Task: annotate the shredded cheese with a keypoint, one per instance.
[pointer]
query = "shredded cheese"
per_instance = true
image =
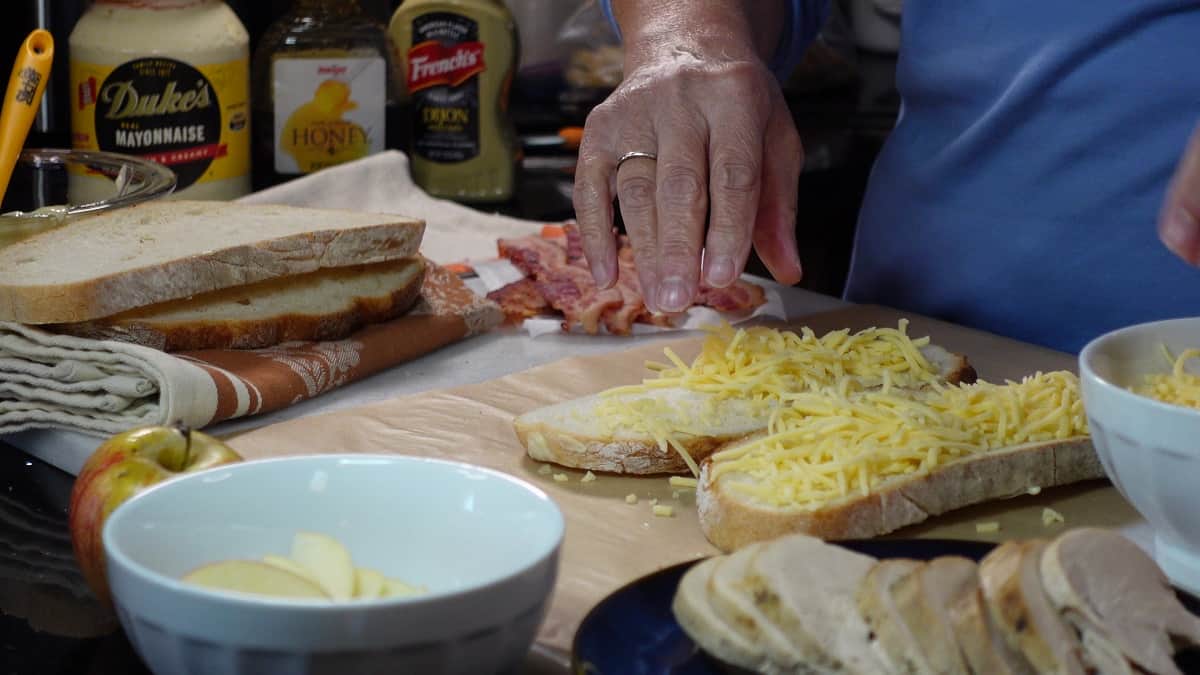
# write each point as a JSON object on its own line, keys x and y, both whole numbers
{"x": 1179, "y": 387}
{"x": 663, "y": 511}
{"x": 545, "y": 469}
{"x": 1050, "y": 517}
{"x": 682, "y": 482}
{"x": 988, "y": 527}
{"x": 560, "y": 478}
{"x": 827, "y": 444}
{"x": 751, "y": 373}
{"x": 631, "y": 498}
{"x": 588, "y": 477}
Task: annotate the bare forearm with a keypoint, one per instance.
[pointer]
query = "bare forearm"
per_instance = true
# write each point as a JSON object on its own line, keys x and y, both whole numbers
{"x": 726, "y": 26}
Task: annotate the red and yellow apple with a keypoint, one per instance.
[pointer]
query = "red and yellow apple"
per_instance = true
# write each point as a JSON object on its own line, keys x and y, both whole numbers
{"x": 123, "y": 466}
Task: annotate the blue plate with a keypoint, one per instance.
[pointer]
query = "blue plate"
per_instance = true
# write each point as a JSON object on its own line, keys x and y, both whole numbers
{"x": 633, "y": 632}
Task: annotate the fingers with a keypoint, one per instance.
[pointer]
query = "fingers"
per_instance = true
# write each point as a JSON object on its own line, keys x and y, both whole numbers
{"x": 735, "y": 172}
{"x": 593, "y": 195}
{"x": 1179, "y": 222}
{"x": 775, "y": 221}
{"x": 636, "y": 193}
{"x": 682, "y": 210}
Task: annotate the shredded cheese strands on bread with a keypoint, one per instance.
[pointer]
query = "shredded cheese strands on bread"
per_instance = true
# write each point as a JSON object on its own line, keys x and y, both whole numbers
{"x": 828, "y": 444}
{"x": 764, "y": 368}
{"x": 1178, "y": 387}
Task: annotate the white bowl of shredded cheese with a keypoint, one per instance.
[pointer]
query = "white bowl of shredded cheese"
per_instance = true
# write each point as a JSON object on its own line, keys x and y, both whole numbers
{"x": 1141, "y": 391}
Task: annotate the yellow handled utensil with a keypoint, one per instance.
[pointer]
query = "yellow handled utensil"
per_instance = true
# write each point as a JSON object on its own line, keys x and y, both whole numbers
{"x": 30, "y": 73}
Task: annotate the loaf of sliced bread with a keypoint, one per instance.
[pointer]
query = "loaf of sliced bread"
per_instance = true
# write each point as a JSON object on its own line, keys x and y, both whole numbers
{"x": 327, "y": 304}
{"x": 731, "y": 519}
{"x": 151, "y": 253}
{"x": 581, "y": 433}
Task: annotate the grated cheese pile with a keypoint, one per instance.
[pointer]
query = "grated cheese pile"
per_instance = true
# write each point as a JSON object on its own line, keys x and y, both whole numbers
{"x": 1179, "y": 387}
{"x": 749, "y": 373}
{"x": 832, "y": 443}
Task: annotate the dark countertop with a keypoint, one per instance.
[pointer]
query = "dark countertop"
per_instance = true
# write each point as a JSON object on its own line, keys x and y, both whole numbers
{"x": 49, "y": 623}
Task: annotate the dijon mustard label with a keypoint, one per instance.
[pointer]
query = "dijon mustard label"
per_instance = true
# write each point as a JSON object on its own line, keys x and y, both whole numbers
{"x": 444, "y": 64}
{"x": 327, "y": 111}
{"x": 193, "y": 119}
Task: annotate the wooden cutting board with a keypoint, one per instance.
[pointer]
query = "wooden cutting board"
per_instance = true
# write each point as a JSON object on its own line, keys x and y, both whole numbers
{"x": 610, "y": 542}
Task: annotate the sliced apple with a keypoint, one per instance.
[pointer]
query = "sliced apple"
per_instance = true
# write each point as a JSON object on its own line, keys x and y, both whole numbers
{"x": 394, "y": 588}
{"x": 249, "y": 576}
{"x": 368, "y": 583}
{"x": 288, "y": 565}
{"x": 327, "y": 560}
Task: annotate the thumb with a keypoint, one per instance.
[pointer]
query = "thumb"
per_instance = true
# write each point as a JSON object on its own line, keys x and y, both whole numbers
{"x": 1179, "y": 222}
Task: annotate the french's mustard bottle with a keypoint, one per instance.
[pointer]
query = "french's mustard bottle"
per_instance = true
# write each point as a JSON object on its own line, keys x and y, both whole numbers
{"x": 322, "y": 90}
{"x": 458, "y": 58}
{"x": 168, "y": 80}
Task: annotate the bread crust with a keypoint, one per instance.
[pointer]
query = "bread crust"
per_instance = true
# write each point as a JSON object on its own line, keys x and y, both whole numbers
{"x": 213, "y": 263}
{"x": 253, "y": 333}
{"x": 546, "y": 443}
{"x": 730, "y": 521}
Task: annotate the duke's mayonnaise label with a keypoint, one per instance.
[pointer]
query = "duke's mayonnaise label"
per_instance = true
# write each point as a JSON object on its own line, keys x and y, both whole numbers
{"x": 193, "y": 119}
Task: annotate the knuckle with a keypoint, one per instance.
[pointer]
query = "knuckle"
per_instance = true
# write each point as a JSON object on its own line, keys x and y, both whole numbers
{"x": 636, "y": 192}
{"x": 738, "y": 176}
{"x": 682, "y": 187}
{"x": 676, "y": 246}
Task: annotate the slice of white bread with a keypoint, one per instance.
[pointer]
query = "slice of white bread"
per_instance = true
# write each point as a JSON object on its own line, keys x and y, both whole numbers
{"x": 808, "y": 589}
{"x": 158, "y": 251}
{"x": 730, "y": 519}
{"x": 328, "y": 304}
{"x": 695, "y": 614}
{"x": 576, "y": 433}
{"x": 1017, "y": 600}
{"x": 1109, "y": 588}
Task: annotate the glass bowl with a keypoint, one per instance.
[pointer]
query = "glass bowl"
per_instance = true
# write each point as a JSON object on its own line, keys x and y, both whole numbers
{"x": 49, "y": 187}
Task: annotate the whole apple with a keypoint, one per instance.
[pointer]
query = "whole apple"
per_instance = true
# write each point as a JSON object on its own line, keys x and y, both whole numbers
{"x": 123, "y": 466}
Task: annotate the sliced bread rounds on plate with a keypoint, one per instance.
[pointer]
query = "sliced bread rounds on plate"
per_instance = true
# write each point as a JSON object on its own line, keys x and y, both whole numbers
{"x": 142, "y": 255}
{"x": 327, "y": 304}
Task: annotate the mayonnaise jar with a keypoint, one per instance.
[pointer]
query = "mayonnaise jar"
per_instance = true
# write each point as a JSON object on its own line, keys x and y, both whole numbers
{"x": 167, "y": 80}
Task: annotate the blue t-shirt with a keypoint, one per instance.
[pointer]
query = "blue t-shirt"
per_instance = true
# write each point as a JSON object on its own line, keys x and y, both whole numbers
{"x": 1019, "y": 190}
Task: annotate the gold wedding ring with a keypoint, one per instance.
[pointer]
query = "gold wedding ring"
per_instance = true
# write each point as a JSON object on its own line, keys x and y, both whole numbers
{"x": 634, "y": 154}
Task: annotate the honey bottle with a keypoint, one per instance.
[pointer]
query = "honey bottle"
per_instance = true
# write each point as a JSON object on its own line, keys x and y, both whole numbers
{"x": 323, "y": 90}
{"x": 457, "y": 58}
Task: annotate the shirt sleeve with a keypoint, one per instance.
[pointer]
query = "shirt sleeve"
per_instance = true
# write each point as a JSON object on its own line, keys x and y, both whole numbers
{"x": 801, "y": 25}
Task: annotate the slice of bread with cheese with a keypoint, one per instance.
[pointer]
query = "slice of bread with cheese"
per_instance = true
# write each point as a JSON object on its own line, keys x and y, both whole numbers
{"x": 837, "y": 467}
{"x": 155, "y": 252}
{"x": 327, "y": 304}
{"x": 731, "y": 519}
{"x": 671, "y": 423}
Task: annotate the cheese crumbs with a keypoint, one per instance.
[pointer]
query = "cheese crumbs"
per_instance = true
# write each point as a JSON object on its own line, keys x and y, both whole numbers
{"x": 1179, "y": 387}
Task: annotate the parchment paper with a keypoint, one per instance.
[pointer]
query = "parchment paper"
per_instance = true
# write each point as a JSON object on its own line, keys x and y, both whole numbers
{"x": 609, "y": 542}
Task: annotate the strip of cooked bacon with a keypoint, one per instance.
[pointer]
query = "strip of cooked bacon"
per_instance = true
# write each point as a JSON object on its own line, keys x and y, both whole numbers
{"x": 520, "y": 300}
{"x": 739, "y": 297}
{"x": 532, "y": 254}
{"x": 558, "y": 277}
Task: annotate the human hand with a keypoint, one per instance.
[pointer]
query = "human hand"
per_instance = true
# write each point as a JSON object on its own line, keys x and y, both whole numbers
{"x": 1179, "y": 221}
{"x": 728, "y": 157}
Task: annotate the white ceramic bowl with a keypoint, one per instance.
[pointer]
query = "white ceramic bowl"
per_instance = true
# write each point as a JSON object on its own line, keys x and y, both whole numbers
{"x": 484, "y": 543}
{"x": 1150, "y": 449}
